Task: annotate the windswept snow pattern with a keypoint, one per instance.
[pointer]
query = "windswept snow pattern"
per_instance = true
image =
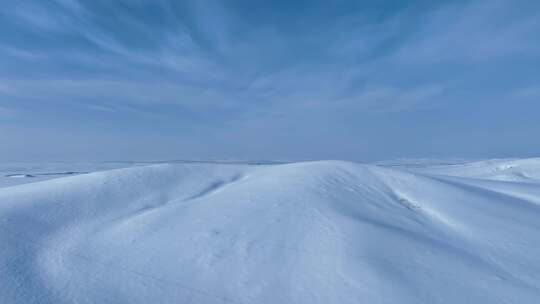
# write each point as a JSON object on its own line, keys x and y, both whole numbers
{"x": 313, "y": 232}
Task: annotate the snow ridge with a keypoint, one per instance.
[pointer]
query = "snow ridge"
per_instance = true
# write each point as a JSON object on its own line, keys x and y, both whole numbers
{"x": 313, "y": 232}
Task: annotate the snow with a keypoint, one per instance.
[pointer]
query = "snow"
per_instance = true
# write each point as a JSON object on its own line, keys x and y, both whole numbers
{"x": 12, "y": 174}
{"x": 311, "y": 232}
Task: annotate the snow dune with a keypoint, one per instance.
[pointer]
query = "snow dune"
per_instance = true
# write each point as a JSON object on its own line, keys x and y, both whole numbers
{"x": 313, "y": 232}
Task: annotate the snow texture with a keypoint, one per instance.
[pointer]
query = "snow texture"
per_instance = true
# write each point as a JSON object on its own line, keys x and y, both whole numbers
{"x": 312, "y": 232}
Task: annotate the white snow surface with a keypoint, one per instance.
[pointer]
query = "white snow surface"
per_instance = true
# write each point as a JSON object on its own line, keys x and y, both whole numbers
{"x": 16, "y": 173}
{"x": 312, "y": 232}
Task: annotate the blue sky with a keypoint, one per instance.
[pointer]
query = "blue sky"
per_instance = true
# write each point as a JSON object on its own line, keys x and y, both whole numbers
{"x": 250, "y": 79}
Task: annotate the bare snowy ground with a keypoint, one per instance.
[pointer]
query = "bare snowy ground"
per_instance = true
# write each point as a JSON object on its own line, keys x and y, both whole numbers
{"x": 12, "y": 174}
{"x": 313, "y": 232}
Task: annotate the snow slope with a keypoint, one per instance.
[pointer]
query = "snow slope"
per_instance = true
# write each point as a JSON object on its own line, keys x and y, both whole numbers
{"x": 17, "y": 173}
{"x": 523, "y": 170}
{"x": 314, "y": 232}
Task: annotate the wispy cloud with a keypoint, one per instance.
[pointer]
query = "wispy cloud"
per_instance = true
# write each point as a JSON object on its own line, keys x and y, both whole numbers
{"x": 477, "y": 31}
{"x": 7, "y": 112}
{"x": 101, "y": 108}
{"x": 242, "y": 65}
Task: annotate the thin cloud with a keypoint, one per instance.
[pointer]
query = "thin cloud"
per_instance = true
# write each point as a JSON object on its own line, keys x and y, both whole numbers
{"x": 7, "y": 112}
{"x": 229, "y": 68}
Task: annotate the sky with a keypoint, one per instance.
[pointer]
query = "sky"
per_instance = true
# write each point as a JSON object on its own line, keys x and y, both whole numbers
{"x": 268, "y": 80}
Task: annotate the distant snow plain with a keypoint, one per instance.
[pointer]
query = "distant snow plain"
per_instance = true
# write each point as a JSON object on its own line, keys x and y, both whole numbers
{"x": 308, "y": 232}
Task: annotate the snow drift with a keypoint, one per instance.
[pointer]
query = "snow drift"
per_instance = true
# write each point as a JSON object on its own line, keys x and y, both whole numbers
{"x": 314, "y": 232}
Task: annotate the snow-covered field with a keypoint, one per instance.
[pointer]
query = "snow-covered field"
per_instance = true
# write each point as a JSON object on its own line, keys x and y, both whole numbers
{"x": 312, "y": 232}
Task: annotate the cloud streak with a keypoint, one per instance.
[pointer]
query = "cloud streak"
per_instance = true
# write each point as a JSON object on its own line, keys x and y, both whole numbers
{"x": 223, "y": 68}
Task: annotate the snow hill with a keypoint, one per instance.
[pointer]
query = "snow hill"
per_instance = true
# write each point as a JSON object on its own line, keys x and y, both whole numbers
{"x": 313, "y": 232}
